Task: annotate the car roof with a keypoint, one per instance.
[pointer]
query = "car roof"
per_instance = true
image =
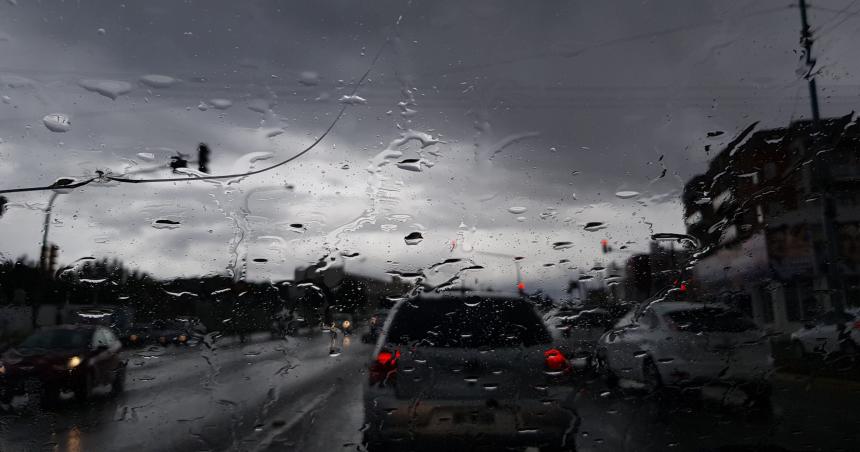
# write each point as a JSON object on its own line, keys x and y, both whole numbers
{"x": 75, "y": 327}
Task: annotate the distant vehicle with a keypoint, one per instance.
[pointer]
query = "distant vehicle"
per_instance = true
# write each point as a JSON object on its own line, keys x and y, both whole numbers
{"x": 162, "y": 332}
{"x": 582, "y": 331}
{"x": 682, "y": 343}
{"x": 482, "y": 365}
{"x": 375, "y": 323}
{"x": 831, "y": 332}
{"x": 78, "y": 358}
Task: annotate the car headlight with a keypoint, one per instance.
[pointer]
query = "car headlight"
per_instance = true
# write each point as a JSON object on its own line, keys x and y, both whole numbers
{"x": 2, "y": 368}
{"x": 183, "y": 338}
{"x": 133, "y": 338}
{"x": 346, "y": 324}
{"x": 74, "y": 361}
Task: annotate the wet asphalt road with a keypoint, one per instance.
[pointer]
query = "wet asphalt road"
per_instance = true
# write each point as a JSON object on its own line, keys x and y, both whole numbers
{"x": 272, "y": 395}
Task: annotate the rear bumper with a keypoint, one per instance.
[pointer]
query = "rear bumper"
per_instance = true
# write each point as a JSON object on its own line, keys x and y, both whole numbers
{"x": 506, "y": 423}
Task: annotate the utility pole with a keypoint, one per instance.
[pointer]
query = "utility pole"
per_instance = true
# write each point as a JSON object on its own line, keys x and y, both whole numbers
{"x": 822, "y": 178}
{"x": 806, "y": 41}
{"x": 45, "y": 251}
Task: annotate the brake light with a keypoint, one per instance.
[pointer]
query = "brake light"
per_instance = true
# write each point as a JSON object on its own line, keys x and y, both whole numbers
{"x": 555, "y": 361}
{"x": 384, "y": 369}
{"x": 857, "y": 325}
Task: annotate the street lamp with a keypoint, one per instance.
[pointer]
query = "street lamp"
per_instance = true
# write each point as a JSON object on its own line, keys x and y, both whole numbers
{"x": 45, "y": 252}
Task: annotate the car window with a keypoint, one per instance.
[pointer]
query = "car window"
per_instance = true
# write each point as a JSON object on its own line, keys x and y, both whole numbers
{"x": 706, "y": 319}
{"x": 477, "y": 322}
{"x": 56, "y": 339}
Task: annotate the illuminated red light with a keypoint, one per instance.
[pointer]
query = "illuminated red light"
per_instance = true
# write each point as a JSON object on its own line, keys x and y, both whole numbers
{"x": 521, "y": 286}
{"x": 555, "y": 360}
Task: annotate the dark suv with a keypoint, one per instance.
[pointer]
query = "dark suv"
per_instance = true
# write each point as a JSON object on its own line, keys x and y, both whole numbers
{"x": 454, "y": 369}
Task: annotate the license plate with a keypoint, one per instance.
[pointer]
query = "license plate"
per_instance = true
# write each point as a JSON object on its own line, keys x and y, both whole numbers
{"x": 456, "y": 421}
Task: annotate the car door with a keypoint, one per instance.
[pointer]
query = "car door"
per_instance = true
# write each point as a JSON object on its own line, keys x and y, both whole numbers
{"x": 628, "y": 343}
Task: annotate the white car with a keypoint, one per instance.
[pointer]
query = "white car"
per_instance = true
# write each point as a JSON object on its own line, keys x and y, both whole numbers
{"x": 831, "y": 332}
{"x": 687, "y": 344}
{"x": 450, "y": 369}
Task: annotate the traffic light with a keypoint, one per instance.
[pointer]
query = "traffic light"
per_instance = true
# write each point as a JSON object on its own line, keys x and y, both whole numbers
{"x": 203, "y": 158}
{"x": 604, "y": 245}
{"x": 2, "y": 205}
{"x": 178, "y": 161}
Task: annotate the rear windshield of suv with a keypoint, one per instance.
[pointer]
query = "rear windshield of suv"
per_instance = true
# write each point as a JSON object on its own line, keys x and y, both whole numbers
{"x": 468, "y": 322}
{"x": 711, "y": 320}
{"x": 57, "y": 339}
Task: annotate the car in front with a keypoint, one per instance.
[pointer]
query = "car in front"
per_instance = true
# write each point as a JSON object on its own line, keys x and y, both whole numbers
{"x": 74, "y": 358}
{"x": 687, "y": 344}
{"x": 470, "y": 368}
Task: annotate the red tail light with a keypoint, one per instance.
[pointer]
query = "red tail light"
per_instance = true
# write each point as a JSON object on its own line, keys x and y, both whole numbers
{"x": 857, "y": 325}
{"x": 384, "y": 369}
{"x": 555, "y": 361}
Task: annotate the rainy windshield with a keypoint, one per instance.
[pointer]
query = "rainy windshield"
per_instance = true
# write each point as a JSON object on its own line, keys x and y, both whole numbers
{"x": 407, "y": 225}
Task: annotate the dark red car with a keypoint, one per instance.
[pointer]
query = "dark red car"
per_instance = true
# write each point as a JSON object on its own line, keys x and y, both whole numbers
{"x": 74, "y": 358}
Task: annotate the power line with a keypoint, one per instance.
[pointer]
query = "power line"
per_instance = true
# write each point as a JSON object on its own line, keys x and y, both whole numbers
{"x": 102, "y": 176}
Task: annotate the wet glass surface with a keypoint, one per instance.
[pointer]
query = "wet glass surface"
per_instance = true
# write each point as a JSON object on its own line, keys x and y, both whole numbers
{"x": 407, "y": 225}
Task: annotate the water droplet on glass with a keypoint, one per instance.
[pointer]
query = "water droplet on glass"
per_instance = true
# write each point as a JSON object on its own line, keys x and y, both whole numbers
{"x": 261, "y": 260}
{"x": 413, "y": 238}
{"x": 627, "y": 194}
{"x": 221, "y": 104}
{"x": 101, "y": 31}
{"x": 157, "y": 80}
{"x": 148, "y": 156}
{"x": 562, "y": 245}
{"x": 388, "y": 227}
{"x": 56, "y": 122}
{"x": 522, "y": 219}
{"x": 592, "y": 226}
{"x": 309, "y": 78}
{"x": 164, "y": 223}
{"x": 353, "y": 99}
{"x": 108, "y": 88}
{"x": 410, "y": 164}
{"x": 516, "y": 210}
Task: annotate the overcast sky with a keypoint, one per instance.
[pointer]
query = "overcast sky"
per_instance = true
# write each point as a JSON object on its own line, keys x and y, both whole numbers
{"x": 549, "y": 106}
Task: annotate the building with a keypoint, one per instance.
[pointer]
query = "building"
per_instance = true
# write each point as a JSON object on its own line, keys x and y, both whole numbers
{"x": 778, "y": 219}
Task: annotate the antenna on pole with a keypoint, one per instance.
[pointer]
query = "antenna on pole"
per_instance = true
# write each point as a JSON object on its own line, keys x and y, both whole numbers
{"x": 806, "y": 41}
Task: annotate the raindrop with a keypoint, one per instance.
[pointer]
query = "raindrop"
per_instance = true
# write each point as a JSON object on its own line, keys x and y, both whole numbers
{"x": 157, "y": 80}
{"x": 148, "y": 156}
{"x": 261, "y": 260}
{"x": 56, "y": 122}
{"x": 259, "y": 105}
{"x": 413, "y": 238}
{"x": 627, "y": 194}
{"x": 598, "y": 268}
{"x": 592, "y": 226}
{"x": 221, "y": 104}
{"x": 309, "y": 78}
{"x": 490, "y": 386}
{"x": 585, "y": 277}
{"x": 562, "y": 245}
{"x": 297, "y": 226}
{"x": 522, "y": 219}
{"x": 639, "y": 354}
{"x": 388, "y": 227}
{"x": 108, "y": 88}
{"x": 353, "y": 99}
{"x": 101, "y": 31}
{"x": 349, "y": 255}
{"x": 470, "y": 380}
{"x": 517, "y": 210}
{"x": 410, "y": 165}
{"x": 164, "y": 223}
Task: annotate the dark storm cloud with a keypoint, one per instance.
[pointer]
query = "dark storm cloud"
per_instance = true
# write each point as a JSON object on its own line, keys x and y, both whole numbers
{"x": 551, "y": 106}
